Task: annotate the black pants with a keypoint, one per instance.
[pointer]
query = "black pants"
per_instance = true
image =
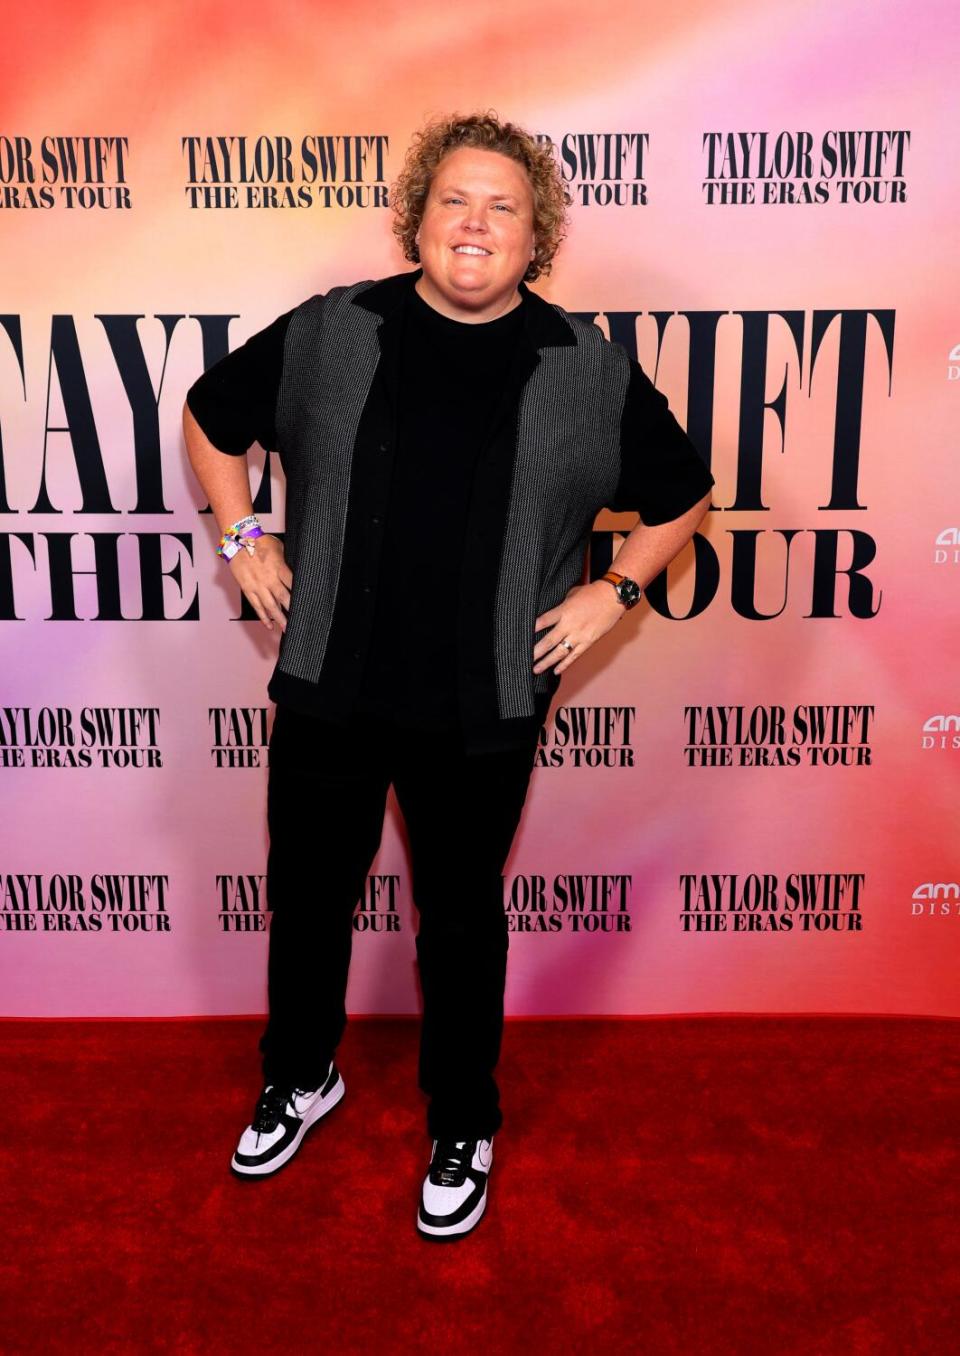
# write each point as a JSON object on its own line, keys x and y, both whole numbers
{"x": 326, "y": 798}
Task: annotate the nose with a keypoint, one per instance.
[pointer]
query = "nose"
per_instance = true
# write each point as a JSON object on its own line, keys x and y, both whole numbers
{"x": 473, "y": 221}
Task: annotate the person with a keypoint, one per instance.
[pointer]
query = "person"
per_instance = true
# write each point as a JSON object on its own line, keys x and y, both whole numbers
{"x": 447, "y": 438}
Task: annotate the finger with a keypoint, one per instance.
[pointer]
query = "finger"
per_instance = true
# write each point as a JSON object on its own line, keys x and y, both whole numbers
{"x": 254, "y": 601}
{"x": 266, "y": 607}
{"x": 547, "y": 618}
{"x": 546, "y": 643}
{"x": 556, "y": 651}
{"x": 274, "y": 610}
{"x": 546, "y": 647}
{"x": 569, "y": 657}
{"x": 282, "y": 595}
{"x": 543, "y": 649}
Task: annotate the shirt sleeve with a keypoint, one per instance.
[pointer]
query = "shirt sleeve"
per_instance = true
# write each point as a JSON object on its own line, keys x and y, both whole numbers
{"x": 235, "y": 400}
{"x": 662, "y": 474}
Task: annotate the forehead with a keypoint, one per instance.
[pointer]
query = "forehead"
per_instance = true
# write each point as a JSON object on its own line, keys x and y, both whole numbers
{"x": 482, "y": 171}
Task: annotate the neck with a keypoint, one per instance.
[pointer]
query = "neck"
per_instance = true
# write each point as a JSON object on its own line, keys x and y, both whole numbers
{"x": 475, "y": 315}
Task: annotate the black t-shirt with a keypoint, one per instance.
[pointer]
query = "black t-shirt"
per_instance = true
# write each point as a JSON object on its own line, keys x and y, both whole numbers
{"x": 661, "y": 475}
{"x": 450, "y": 374}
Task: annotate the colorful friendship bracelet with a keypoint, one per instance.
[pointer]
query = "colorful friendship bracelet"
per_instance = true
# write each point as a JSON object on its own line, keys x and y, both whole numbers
{"x": 237, "y": 535}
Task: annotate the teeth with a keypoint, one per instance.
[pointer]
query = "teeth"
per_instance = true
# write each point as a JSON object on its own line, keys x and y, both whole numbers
{"x": 469, "y": 249}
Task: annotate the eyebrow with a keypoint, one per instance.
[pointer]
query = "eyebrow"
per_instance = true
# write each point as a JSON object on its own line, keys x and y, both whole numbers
{"x": 498, "y": 197}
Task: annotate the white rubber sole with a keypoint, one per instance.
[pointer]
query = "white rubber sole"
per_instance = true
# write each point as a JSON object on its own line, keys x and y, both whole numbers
{"x": 316, "y": 1113}
{"x": 458, "y": 1230}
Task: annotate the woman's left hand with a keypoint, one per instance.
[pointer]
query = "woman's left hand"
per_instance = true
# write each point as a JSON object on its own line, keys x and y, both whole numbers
{"x": 588, "y": 612}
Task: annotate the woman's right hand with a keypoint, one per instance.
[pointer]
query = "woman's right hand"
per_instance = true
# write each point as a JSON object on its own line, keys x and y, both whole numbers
{"x": 265, "y": 579}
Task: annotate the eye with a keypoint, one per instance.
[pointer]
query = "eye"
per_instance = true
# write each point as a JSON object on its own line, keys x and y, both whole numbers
{"x": 505, "y": 206}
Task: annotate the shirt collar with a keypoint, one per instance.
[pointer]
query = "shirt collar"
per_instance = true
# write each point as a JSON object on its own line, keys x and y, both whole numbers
{"x": 543, "y": 324}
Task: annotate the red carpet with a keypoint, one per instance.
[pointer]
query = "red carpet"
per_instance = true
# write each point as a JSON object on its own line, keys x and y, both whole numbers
{"x": 778, "y": 1185}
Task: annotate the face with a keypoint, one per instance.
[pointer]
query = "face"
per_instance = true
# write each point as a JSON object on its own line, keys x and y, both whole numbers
{"x": 483, "y": 200}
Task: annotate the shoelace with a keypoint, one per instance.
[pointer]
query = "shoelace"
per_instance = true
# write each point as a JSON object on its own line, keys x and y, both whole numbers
{"x": 449, "y": 1165}
{"x": 270, "y": 1107}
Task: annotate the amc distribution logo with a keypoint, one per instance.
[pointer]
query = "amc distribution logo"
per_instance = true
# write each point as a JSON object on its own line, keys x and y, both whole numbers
{"x": 936, "y": 899}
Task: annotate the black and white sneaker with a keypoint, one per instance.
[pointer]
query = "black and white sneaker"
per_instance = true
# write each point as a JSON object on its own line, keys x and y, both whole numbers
{"x": 282, "y": 1117}
{"x": 454, "y": 1193}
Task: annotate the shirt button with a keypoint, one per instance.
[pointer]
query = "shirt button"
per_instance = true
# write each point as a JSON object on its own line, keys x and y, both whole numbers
{"x": 366, "y": 588}
{"x": 356, "y": 654}
{"x": 384, "y": 447}
{"x": 374, "y": 517}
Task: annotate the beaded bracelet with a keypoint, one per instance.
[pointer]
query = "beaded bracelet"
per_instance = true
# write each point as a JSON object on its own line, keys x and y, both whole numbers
{"x": 237, "y": 536}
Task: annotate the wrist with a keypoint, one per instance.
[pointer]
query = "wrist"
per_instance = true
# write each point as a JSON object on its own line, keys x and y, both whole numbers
{"x": 239, "y": 536}
{"x": 626, "y": 590}
{"x": 607, "y": 597}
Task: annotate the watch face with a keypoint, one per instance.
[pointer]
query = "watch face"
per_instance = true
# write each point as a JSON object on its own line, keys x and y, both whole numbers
{"x": 629, "y": 591}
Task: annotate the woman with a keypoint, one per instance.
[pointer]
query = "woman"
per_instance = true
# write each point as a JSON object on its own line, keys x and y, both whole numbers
{"x": 447, "y": 438}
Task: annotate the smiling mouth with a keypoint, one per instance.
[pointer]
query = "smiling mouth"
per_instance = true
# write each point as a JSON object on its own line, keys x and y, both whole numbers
{"x": 472, "y": 251}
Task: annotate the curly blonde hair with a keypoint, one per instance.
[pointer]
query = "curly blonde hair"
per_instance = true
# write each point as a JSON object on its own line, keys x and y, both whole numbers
{"x": 485, "y": 132}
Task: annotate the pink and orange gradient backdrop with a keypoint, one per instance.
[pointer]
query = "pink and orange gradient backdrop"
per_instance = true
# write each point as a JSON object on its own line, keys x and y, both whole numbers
{"x": 157, "y": 73}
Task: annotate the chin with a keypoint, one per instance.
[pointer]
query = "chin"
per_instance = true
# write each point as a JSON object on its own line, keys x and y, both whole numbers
{"x": 469, "y": 284}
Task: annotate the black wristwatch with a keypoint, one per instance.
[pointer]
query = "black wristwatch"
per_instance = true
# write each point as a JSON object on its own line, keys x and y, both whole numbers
{"x": 627, "y": 590}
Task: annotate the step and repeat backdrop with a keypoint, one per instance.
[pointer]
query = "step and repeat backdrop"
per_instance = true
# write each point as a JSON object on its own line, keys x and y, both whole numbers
{"x": 745, "y": 796}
